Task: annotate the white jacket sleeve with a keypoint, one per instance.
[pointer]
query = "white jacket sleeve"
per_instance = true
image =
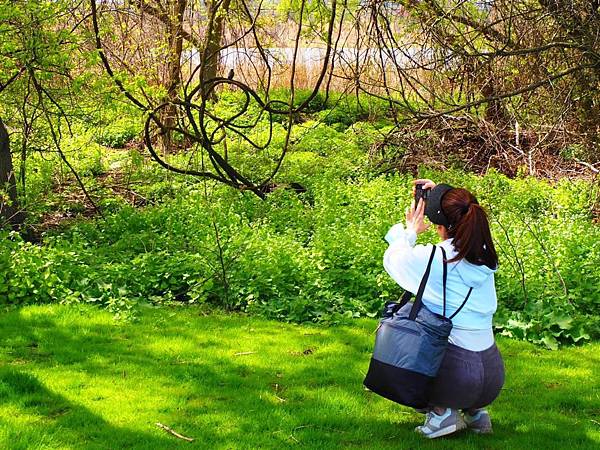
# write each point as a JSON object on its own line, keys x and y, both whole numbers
{"x": 403, "y": 261}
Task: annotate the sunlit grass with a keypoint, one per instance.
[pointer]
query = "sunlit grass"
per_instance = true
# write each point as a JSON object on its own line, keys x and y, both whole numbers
{"x": 71, "y": 377}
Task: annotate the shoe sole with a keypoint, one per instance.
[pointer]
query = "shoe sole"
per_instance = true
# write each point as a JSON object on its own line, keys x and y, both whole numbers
{"x": 480, "y": 431}
{"x": 445, "y": 431}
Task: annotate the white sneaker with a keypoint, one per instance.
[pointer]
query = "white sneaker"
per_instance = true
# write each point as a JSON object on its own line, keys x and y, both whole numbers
{"x": 441, "y": 425}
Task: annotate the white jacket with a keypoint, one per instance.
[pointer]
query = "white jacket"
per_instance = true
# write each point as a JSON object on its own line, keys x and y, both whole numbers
{"x": 406, "y": 264}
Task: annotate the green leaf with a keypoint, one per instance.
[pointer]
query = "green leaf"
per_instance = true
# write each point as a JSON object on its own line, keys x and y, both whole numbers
{"x": 549, "y": 341}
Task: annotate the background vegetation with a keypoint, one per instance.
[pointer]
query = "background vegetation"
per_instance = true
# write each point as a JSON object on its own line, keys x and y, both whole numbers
{"x": 177, "y": 151}
{"x": 313, "y": 255}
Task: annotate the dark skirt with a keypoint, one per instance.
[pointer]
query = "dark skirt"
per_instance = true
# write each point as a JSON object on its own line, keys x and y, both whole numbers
{"x": 467, "y": 379}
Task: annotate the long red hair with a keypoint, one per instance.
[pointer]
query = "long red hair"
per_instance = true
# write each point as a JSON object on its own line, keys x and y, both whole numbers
{"x": 470, "y": 229}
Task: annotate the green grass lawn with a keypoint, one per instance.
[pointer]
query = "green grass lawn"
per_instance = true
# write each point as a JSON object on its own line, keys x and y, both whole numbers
{"x": 71, "y": 377}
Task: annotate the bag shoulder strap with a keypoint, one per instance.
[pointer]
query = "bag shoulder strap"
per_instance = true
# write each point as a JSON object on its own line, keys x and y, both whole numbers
{"x": 444, "y": 279}
{"x": 444, "y": 282}
{"x": 419, "y": 297}
{"x": 463, "y": 304}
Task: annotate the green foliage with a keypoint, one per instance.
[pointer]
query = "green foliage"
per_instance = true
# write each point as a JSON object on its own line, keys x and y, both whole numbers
{"x": 118, "y": 133}
{"x": 574, "y": 152}
{"x": 336, "y": 109}
{"x": 348, "y": 109}
{"x": 289, "y": 259}
{"x": 297, "y": 256}
{"x": 319, "y": 138}
{"x": 300, "y": 96}
{"x": 549, "y": 253}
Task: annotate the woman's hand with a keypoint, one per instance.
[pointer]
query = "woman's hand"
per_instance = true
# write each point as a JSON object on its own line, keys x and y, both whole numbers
{"x": 427, "y": 184}
{"x": 415, "y": 217}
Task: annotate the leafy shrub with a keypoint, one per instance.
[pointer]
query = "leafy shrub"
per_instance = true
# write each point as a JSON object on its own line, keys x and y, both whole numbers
{"x": 292, "y": 260}
{"x": 312, "y": 256}
{"x": 549, "y": 256}
{"x": 300, "y": 96}
{"x": 118, "y": 133}
{"x": 318, "y": 138}
{"x": 349, "y": 109}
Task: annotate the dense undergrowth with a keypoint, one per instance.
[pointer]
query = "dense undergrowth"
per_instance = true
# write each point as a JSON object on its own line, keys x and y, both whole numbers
{"x": 311, "y": 256}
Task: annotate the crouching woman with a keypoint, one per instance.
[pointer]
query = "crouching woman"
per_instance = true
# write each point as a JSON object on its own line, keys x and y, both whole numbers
{"x": 472, "y": 371}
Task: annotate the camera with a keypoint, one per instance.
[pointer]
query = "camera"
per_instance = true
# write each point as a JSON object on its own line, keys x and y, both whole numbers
{"x": 421, "y": 193}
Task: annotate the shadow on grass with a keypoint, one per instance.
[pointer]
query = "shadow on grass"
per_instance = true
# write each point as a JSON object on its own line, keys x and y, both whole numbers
{"x": 298, "y": 386}
{"x": 59, "y": 422}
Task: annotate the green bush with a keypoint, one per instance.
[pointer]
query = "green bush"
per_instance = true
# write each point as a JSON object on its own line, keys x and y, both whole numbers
{"x": 118, "y": 133}
{"x": 349, "y": 109}
{"x": 293, "y": 260}
{"x": 317, "y": 103}
{"x": 318, "y": 138}
{"x": 314, "y": 255}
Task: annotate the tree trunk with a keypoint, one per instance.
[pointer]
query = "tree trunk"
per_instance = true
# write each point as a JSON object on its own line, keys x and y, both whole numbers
{"x": 9, "y": 207}
{"x": 213, "y": 41}
{"x": 173, "y": 21}
{"x": 173, "y": 79}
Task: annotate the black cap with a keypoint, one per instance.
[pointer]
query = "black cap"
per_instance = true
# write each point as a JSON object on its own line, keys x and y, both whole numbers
{"x": 433, "y": 207}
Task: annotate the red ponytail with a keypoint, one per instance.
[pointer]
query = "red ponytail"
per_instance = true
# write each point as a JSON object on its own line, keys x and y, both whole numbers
{"x": 470, "y": 229}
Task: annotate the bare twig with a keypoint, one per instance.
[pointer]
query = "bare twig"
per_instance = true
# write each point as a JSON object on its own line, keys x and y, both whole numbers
{"x": 56, "y": 138}
{"x": 588, "y": 165}
{"x": 174, "y": 433}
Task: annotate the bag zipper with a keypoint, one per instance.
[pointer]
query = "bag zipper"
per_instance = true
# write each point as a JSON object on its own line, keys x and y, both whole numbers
{"x": 400, "y": 327}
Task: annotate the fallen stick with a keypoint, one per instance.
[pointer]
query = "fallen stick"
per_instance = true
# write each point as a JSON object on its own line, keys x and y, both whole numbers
{"x": 244, "y": 353}
{"x": 173, "y": 432}
{"x": 588, "y": 165}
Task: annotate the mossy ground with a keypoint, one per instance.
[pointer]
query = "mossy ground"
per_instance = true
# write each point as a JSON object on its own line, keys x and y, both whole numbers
{"x": 72, "y": 377}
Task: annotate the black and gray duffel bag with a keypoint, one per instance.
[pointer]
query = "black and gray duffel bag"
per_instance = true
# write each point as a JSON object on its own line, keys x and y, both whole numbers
{"x": 410, "y": 345}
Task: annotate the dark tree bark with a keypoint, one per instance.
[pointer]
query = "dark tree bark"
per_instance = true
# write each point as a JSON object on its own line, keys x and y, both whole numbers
{"x": 213, "y": 40}
{"x": 173, "y": 81}
{"x": 173, "y": 21}
{"x": 9, "y": 207}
